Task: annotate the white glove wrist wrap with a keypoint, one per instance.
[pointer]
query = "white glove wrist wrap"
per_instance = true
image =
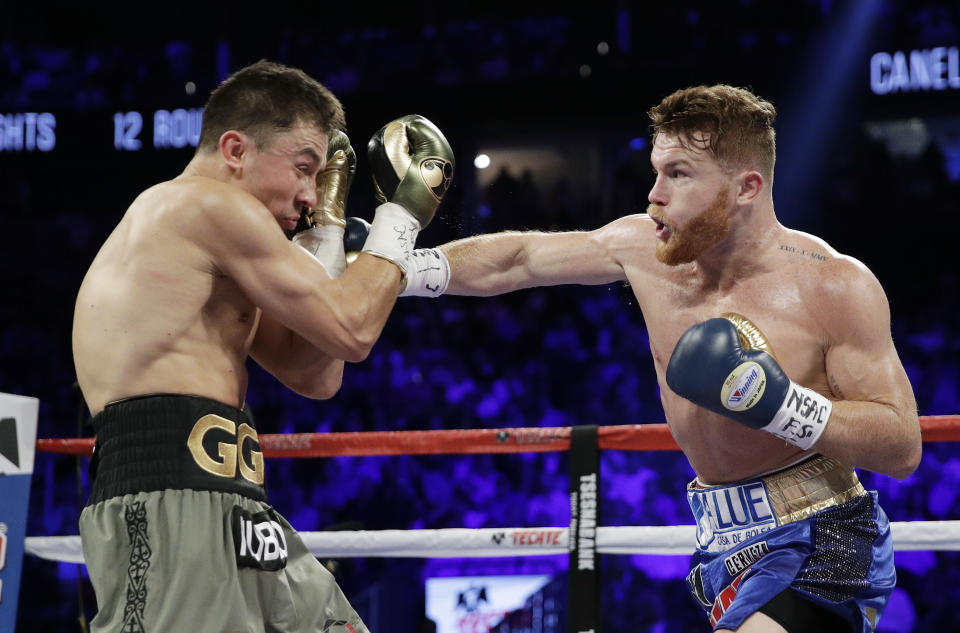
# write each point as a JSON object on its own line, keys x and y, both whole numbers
{"x": 428, "y": 273}
{"x": 326, "y": 244}
{"x": 393, "y": 233}
{"x": 802, "y": 417}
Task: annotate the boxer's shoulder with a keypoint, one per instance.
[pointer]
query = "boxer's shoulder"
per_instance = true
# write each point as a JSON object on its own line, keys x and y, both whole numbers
{"x": 635, "y": 222}
{"x": 798, "y": 247}
{"x": 633, "y": 234}
{"x": 206, "y": 195}
{"x": 839, "y": 290}
{"x": 817, "y": 266}
{"x": 200, "y": 209}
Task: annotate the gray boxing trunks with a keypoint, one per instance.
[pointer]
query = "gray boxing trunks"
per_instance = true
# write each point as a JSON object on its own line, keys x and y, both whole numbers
{"x": 177, "y": 535}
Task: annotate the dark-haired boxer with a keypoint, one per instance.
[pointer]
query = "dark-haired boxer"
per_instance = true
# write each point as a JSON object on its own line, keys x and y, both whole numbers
{"x": 197, "y": 276}
{"x": 788, "y": 539}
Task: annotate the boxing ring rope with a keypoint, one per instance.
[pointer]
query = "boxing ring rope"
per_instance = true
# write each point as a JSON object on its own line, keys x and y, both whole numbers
{"x": 625, "y": 437}
{"x": 493, "y": 542}
{"x": 499, "y": 542}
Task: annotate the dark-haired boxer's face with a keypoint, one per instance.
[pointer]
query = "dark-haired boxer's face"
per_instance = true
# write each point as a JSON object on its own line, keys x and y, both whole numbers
{"x": 690, "y": 200}
{"x": 283, "y": 174}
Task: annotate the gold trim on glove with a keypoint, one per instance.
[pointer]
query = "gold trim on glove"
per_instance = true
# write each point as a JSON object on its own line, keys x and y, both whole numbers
{"x": 750, "y": 335}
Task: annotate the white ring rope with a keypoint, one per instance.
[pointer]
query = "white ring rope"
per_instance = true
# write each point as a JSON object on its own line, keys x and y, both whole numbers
{"x": 493, "y": 542}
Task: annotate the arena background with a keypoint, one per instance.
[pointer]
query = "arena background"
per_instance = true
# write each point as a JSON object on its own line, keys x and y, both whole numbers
{"x": 556, "y": 97}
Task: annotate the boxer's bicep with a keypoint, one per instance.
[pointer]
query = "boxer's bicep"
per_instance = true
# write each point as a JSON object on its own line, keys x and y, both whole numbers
{"x": 501, "y": 262}
{"x": 874, "y": 423}
{"x": 861, "y": 360}
{"x": 573, "y": 258}
{"x": 588, "y": 257}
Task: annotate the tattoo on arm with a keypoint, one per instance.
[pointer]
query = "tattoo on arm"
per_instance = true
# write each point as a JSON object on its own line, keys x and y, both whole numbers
{"x": 820, "y": 257}
{"x": 835, "y": 387}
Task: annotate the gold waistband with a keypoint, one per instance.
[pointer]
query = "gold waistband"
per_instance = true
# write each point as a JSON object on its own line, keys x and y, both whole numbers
{"x": 818, "y": 483}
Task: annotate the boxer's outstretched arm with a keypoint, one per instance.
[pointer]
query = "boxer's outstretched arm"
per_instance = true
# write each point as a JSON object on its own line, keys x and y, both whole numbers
{"x": 496, "y": 263}
{"x": 874, "y": 424}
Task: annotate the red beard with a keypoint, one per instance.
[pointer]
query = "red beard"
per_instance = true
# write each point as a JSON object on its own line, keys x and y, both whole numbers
{"x": 710, "y": 227}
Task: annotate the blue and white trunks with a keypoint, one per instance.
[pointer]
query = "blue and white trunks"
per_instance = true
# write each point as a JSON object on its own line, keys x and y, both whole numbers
{"x": 810, "y": 527}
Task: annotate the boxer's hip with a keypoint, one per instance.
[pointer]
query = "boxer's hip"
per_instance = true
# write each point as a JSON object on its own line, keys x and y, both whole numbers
{"x": 729, "y": 514}
{"x": 174, "y": 441}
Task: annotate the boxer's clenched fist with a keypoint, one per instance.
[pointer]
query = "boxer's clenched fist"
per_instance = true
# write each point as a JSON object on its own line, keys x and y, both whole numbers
{"x": 721, "y": 364}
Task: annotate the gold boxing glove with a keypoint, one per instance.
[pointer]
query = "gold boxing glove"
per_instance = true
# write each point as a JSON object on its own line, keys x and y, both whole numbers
{"x": 333, "y": 183}
{"x": 412, "y": 165}
{"x": 325, "y": 223}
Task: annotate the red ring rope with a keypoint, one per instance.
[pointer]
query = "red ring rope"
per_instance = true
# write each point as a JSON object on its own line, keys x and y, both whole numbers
{"x": 625, "y": 437}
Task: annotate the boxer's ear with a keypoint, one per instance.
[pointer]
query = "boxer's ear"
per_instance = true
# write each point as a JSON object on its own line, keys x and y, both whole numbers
{"x": 750, "y": 184}
{"x": 233, "y": 147}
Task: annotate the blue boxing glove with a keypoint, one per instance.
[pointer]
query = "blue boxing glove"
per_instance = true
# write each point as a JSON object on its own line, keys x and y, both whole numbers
{"x": 726, "y": 365}
{"x": 354, "y": 235}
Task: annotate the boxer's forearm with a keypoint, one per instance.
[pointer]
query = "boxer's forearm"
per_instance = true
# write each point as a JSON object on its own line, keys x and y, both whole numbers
{"x": 320, "y": 378}
{"x": 878, "y": 437}
{"x": 487, "y": 265}
{"x": 296, "y": 363}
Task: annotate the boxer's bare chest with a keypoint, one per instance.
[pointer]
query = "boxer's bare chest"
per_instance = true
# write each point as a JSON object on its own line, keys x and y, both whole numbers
{"x": 718, "y": 448}
{"x": 776, "y": 301}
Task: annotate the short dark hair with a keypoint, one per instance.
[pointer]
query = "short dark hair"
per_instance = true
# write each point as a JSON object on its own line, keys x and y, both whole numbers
{"x": 738, "y": 122}
{"x": 265, "y": 98}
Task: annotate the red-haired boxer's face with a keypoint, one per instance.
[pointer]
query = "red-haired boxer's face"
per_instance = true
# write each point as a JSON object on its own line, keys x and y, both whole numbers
{"x": 690, "y": 200}
{"x": 283, "y": 174}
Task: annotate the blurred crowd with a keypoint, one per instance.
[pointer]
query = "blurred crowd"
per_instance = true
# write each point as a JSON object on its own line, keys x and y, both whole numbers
{"x": 91, "y": 57}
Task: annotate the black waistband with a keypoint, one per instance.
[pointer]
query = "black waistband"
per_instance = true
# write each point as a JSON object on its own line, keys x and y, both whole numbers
{"x": 160, "y": 441}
